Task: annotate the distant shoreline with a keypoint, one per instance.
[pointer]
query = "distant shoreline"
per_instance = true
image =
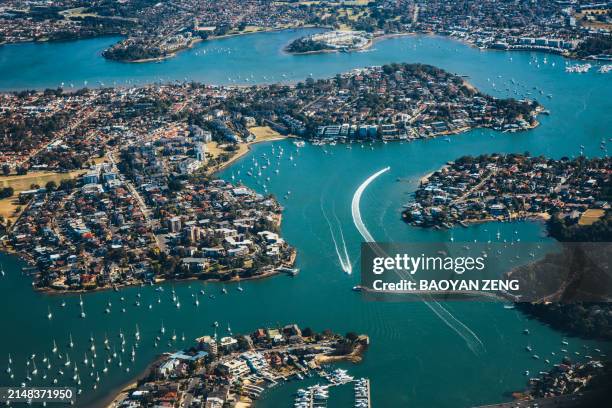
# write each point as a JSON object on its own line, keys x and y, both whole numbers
{"x": 213, "y": 37}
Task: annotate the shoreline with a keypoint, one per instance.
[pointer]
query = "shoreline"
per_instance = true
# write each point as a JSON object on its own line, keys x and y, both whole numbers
{"x": 116, "y": 395}
{"x": 242, "y": 152}
{"x": 61, "y": 292}
{"x": 160, "y": 58}
{"x": 376, "y": 39}
{"x": 371, "y": 42}
{"x": 211, "y": 38}
{"x": 25, "y": 257}
{"x": 355, "y": 356}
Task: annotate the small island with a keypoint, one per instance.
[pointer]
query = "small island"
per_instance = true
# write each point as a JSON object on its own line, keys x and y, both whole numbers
{"x": 237, "y": 369}
{"x": 509, "y": 187}
{"x": 331, "y": 41}
{"x": 140, "y": 49}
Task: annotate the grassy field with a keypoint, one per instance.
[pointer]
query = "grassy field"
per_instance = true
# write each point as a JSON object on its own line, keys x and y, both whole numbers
{"x": 25, "y": 182}
{"x": 591, "y": 216}
{"x": 264, "y": 133}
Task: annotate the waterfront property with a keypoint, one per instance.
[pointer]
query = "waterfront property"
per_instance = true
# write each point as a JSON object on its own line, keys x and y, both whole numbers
{"x": 101, "y": 230}
{"x": 508, "y": 187}
{"x": 67, "y": 131}
{"x": 235, "y": 370}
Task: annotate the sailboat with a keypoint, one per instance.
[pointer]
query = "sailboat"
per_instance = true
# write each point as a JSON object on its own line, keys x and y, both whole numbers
{"x": 2, "y": 270}
{"x": 54, "y": 349}
{"x": 49, "y": 314}
{"x": 70, "y": 342}
{"x": 83, "y": 315}
{"x": 8, "y": 368}
{"x": 163, "y": 329}
{"x": 239, "y": 288}
{"x": 196, "y": 302}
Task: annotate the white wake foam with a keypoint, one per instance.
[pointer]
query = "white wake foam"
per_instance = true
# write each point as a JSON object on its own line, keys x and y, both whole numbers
{"x": 473, "y": 342}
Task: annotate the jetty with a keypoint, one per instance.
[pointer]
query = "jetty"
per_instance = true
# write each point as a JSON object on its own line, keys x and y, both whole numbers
{"x": 362, "y": 393}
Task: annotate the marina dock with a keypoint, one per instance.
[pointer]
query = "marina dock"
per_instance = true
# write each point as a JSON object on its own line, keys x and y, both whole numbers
{"x": 363, "y": 397}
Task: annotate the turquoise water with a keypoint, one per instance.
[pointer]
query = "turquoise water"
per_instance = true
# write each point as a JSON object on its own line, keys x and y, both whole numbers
{"x": 415, "y": 358}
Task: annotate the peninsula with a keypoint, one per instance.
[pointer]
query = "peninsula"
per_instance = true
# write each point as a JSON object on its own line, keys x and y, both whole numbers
{"x": 331, "y": 41}
{"x": 237, "y": 369}
{"x": 125, "y": 193}
{"x": 510, "y": 187}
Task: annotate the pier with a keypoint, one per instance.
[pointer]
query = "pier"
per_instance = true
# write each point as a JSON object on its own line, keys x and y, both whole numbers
{"x": 362, "y": 393}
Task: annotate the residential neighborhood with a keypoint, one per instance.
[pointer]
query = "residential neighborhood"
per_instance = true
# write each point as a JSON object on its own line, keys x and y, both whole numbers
{"x": 235, "y": 370}
{"x": 511, "y": 187}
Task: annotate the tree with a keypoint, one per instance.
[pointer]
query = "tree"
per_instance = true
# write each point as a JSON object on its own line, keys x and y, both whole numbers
{"x": 175, "y": 185}
{"x": 307, "y": 332}
{"x": 352, "y": 336}
{"x": 7, "y": 192}
{"x": 51, "y": 186}
{"x": 67, "y": 184}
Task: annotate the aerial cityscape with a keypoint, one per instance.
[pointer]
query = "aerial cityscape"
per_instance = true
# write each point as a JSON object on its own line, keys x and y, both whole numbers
{"x": 186, "y": 188}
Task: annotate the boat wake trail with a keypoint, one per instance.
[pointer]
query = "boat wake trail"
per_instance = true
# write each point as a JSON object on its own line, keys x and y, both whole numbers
{"x": 472, "y": 340}
{"x": 346, "y": 255}
{"x": 343, "y": 258}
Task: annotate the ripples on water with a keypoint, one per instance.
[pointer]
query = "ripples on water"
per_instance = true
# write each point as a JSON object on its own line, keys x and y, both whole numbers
{"x": 411, "y": 349}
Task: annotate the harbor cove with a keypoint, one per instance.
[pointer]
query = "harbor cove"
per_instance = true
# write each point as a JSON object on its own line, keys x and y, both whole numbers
{"x": 414, "y": 357}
